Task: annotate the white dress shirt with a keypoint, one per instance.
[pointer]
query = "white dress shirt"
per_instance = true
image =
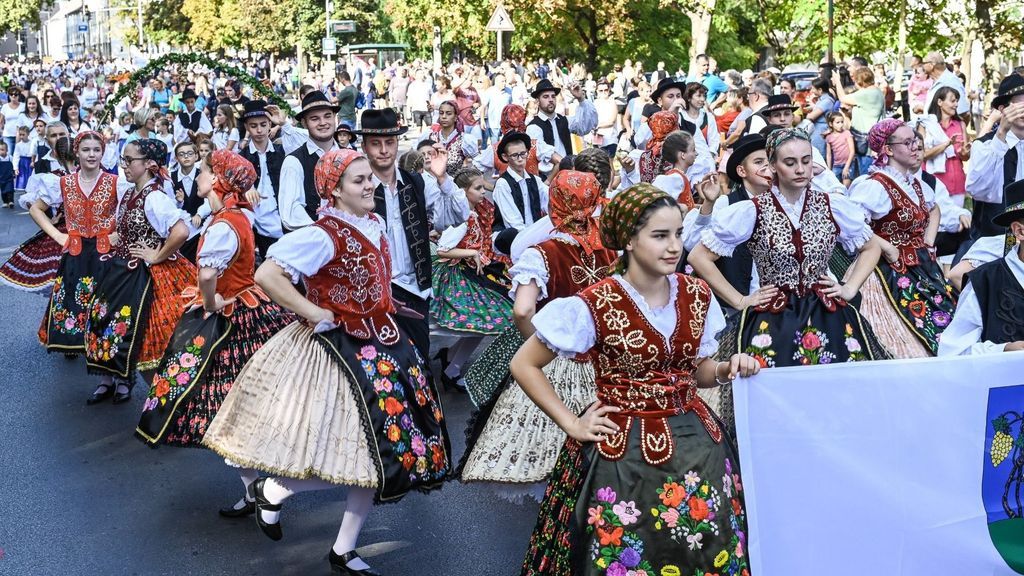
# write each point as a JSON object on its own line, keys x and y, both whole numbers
{"x": 268, "y": 219}
{"x": 582, "y": 122}
{"x": 985, "y": 169}
{"x": 293, "y": 193}
{"x": 507, "y": 205}
{"x": 963, "y": 335}
{"x": 181, "y": 133}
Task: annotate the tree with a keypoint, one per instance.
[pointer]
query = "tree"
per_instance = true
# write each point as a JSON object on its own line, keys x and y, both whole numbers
{"x": 16, "y": 14}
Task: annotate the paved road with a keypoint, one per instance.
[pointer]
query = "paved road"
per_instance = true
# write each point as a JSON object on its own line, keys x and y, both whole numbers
{"x": 79, "y": 495}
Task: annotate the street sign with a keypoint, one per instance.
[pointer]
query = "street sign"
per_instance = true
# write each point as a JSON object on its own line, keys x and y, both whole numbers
{"x": 500, "y": 21}
{"x": 343, "y": 26}
{"x": 83, "y": 27}
{"x": 330, "y": 47}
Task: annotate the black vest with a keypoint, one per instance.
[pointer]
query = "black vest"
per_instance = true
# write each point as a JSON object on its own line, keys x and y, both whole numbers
{"x": 563, "y": 131}
{"x": 308, "y": 162}
{"x": 981, "y": 220}
{"x": 413, "y": 206}
{"x": 517, "y": 196}
{"x": 190, "y": 121}
{"x": 738, "y": 269}
{"x": 192, "y": 199}
{"x": 274, "y": 161}
{"x": 1001, "y": 300}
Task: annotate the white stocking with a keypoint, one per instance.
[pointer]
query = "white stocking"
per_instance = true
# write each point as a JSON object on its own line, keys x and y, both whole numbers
{"x": 248, "y": 476}
{"x": 277, "y": 490}
{"x": 357, "y": 508}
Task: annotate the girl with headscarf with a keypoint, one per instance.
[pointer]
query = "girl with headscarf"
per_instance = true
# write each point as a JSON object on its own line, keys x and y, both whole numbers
{"x": 792, "y": 231}
{"x": 469, "y": 286}
{"x": 649, "y": 445}
{"x": 137, "y": 302}
{"x": 511, "y": 442}
{"x": 340, "y": 397}
{"x": 449, "y": 131}
{"x": 513, "y": 119}
{"x": 907, "y": 300}
{"x": 649, "y": 163}
{"x": 88, "y": 199}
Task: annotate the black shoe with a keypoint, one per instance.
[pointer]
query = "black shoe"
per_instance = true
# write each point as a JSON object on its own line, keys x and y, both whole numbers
{"x": 97, "y": 397}
{"x": 273, "y": 531}
{"x": 452, "y": 384}
{"x": 442, "y": 358}
{"x": 339, "y": 565}
{"x": 232, "y": 512}
{"x": 120, "y": 398}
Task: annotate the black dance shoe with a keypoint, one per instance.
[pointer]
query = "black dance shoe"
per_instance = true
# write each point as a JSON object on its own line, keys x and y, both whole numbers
{"x": 97, "y": 397}
{"x": 120, "y": 398}
{"x": 273, "y": 531}
{"x": 449, "y": 384}
{"x": 339, "y": 565}
{"x": 232, "y": 512}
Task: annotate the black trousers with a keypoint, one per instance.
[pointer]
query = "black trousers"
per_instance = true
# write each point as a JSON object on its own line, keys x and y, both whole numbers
{"x": 263, "y": 243}
{"x": 417, "y": 329}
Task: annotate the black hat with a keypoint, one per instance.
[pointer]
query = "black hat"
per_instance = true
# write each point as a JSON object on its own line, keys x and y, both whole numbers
{"x": 543, "y": 86}
{"x": 1008, "y": 88}
{"x": 510, "y": 138}
{"x": 778, "y": 102}
{"x": 189, "y": 93}
{"x": 383, "y": 122}
{"x": 665, "y": 84}
{"x": 255, "y": 109}
{"x": 315, "y": 100}
{"x": 345, "y": 127}
{"x": 1013, "y": 198}
{"x": 744, "y": 147}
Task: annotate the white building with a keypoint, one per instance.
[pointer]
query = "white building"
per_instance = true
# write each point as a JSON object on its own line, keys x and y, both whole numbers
{"x": 82, "y": 27}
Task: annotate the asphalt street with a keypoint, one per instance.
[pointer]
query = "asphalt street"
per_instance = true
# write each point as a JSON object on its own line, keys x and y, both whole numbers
{"x": 80, "y": 495}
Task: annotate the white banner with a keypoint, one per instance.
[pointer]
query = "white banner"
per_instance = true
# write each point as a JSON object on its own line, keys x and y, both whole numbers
{"x": 885, "y": 468}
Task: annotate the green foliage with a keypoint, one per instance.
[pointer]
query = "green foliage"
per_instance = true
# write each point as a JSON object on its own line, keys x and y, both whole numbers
{"x": 15, "y": 14}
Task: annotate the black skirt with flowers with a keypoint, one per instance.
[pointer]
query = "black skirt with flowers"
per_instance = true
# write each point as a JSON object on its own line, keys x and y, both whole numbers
{"x": 921, "y": 296}
{"x": 67, "y": 315}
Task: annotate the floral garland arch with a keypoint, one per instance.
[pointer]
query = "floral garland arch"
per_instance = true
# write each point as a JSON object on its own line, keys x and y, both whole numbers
{"x": 184, "y": 58}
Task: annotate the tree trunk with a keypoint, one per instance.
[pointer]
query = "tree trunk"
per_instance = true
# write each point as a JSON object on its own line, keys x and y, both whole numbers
{"x": 700, "y": 32}
{"x": 901, "y": 50}
{"x": 970, "y": 33}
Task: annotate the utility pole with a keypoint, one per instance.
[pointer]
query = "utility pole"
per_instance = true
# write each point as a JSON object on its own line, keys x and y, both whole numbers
{"x": 139, "y": 22}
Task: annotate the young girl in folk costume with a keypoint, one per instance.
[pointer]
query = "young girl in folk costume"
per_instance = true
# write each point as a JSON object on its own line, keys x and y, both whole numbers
{"x": 469, "y": 290}
{"x": 33, "y": 265}
{"x": 908, "y": 301}
{"x": 679, "y": 151}
{"x": 512, "y": 442}
{"x": 449, "y": 132}
{"x": 228, "y": 320}
{"x": 24, "y": 157}
{"x": 649, "y": 457}
{"x": 137, "y": 303}
{"x": 341, "y": 398}
{"x": 800, "y": 315}
{"x": 649, "y": 163}
{"x": 225, "y": 134}
{"x": 88, "y": 198}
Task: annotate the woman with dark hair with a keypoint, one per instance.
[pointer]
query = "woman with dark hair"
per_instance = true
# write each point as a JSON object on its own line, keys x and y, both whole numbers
{"x": 824, "y": 104}
{"x": 945, "y": 143}
{"x": 70, "y": 115}
{"x": 33, "y": 109}
{"x": 695, "y": 120}
{"x": 449, "y": 131}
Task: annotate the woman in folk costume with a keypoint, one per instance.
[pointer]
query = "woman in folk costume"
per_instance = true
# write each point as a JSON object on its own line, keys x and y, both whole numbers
{"x": 647, "y": 164}
{"x": 33, "y": 265}
{"x": 513, "y": 119}
{"x": 449, "y": 132}
{"x": 800, "y": 315}
{"x": 228, "y": 318}
{"x": 512, "y": 442}
{"x": 908, "y": 301}
{"x": 137, "y": 303}
{"x": 648, "y": 481}
{"x": 340, "y": 398}
{"x": 88, "y": 199}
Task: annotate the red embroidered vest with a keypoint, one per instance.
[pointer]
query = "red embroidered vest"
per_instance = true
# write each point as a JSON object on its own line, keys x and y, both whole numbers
{"x": 686, "y": 194}
{"x": 356, "y": 283}
{"x": 570, "y": 269}
{"x": 640, "y": 372}
{"x": 532, "y": 163}
{"x": 904, "y": 226}
{"x": 237, "y": 280}
{"x": 92, "y": 216}
{"x": 478, "y": 234}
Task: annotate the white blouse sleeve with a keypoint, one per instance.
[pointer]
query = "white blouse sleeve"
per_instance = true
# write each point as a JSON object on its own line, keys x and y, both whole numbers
{"x": 303, "y": 252}
{"x": 451, "y": 237}
{"x": 566, "y": 326}
{"x": 49, "y": 190}
{"x": 530, "y": 267}
{"x": 730, "y": 226}
{"x": 163, "y": 214}
{"x": 985, "y": 249}
{"x": 872, "y": 197}
{"x": 530, "y": 236}
{"x": 853, "y": 227}
{"x": 484, "y": 161}
{"x": 219, "y": 246}
{"x": 544, "y": 152}
{"x": 671, "y": 184}
{"x": 713, "y": 324}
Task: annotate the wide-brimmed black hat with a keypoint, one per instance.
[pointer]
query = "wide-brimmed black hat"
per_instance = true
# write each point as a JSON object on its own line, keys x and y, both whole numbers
{"x": 744, "y": 147}
{"x": 778, "y": 102}
{"x": 1011, "y": 86}
{"x": 189, "y": 93}
{"x": 1013, "y": 195}
{"x": 255, "y": 109}
{"x": 510, "y": 138}
{"x": 543, "y": 86}
{"x": 315, "y": 100}
{"x": 345, "y": 127}
{"x": 665, "y": 84}
{"x": 383, "y": 122}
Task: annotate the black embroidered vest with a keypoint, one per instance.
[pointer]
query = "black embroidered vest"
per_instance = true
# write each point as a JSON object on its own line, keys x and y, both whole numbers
{"x": 549, "y": 136}
{"x": 981, "y": 220}
{"x": 275, "y": 160}
{"x": 1001, "y": 300}
{"x": 413, "y": 206}
{"x": 308, "y": 162}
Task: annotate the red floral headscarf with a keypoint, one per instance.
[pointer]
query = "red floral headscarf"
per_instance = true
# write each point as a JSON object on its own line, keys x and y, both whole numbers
{"x": 879, "y": 135}
{"x": 465, "y": 99}
{"x": 92, "y": 135}
{"x": 513, "y": 119}
{"x": 662, "y": 124}
{"x": 572, "y": 198}
{"x": 331, "y": 168}
{"x": 235, "y": 176}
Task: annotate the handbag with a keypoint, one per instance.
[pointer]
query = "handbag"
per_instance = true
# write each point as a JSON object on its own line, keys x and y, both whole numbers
{"x": 860, "y": 142}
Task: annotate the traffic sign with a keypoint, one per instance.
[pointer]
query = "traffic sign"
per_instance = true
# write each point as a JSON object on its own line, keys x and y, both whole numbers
{"x": 343, "y": 26}
{"x": 329, "y": 46}
{"x": 500, "y": 21}
{"x": 83, "y": 27}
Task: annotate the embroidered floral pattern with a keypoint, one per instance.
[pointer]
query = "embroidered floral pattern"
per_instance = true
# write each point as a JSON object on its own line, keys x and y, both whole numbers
{"x": 180, "y": 372}
{"x": 923, "y": 307}
{"x": 811, "y": 347}
{"x": 104, "y": 346}
{"x": 63, "y": 320}
{"x": 617, "y": 549}
{"x": 761, "y": 346}
{"x": 853, "y": 345}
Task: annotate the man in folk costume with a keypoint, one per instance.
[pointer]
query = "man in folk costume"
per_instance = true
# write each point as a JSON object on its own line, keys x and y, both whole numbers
{"x": 997, "y": 158}
{"x": 667, "y": 97}
{"x": 404, "y": 200}
{"x": 298, "y": 200}
{"x": 988, "y": 315}
{"x": 191, "y": 120}
{"x": 268, "y": 161}
{"x": 513, "y": 119}
{"x": 555, "y": 129}
{"x": 520, "y": 197}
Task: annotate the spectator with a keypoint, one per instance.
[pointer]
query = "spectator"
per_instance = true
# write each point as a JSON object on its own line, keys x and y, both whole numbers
{"x": 866, "y": 107}
{"x": 935, "y": 67}
{"x": 824, "y": 104}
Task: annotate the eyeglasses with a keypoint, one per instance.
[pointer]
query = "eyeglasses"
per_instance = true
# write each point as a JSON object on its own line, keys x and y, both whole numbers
{"x": 186, "y": 154}
{"x": 912, "y": 144}
{"x": 518, "y": 155}
{"x": 126, "y": 160}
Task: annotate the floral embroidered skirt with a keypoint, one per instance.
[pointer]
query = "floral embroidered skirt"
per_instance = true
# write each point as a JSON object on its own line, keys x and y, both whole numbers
{"x": 330, "y": 406}
{"x": 169, "y": 279}
{"x": 66, "y": 317}
{"x": 909, "y": 310}
{"x": 117, "y": 317}
{"x": 513, "y": 442}
{"x": 33, "y": 265}
{"x": 466, "y": 301}
{"x": 199, "y": 367}
{"x": 488, "y": 375}
{"x": 684, "y": 517}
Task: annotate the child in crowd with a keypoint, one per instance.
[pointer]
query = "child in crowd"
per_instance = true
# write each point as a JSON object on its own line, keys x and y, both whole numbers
{"x": 24, "y": 159}
{"x": 225, "y": 134}
{"x": 344, "y": 136}
{"x": 679, "y": 151}
{"x": 38, "y": 139}
{"x": 205, "y": 146}
{"x": 412, "y": 161}
{"x": 6, "y": 177}
{"x": 110, "y": 154}
{"x": 163, "y": 134}
{"x": 839, "y": 148}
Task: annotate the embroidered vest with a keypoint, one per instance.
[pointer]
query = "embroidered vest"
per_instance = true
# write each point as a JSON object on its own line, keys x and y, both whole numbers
{"x": 651, "y": 167}
{"x": 93, "y": 216}
{"x": 478, "y": 232}
{"x": 1001, "y": 300}
{"x": 532, "y": 163}
{"x": 356, "y": 283}
{"x": 275, "y": 160}
{"x": 456, "y": 157}
{"x": 570, "y": 268}
{"x": 564, "y": 136}
{"x": 237, "y": 280}
{"x": 412, "y": 206}
{"x": 532, "y": 190}
{"x": 905, "y": 224}
{"x": 132, "y": 225}
{"x": 640, "y": 372}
